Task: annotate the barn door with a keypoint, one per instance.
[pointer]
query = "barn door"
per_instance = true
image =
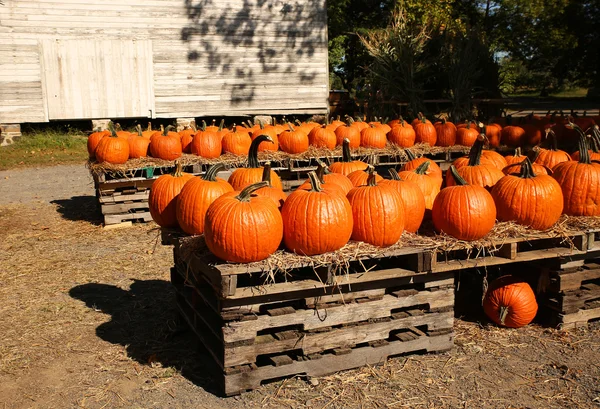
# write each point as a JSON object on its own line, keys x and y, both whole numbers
{"x": 87, "y": 79}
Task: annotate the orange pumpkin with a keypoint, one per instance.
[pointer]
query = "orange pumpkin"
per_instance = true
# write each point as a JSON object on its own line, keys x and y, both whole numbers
{"x": 270, "y": 131}
{"x": 347, "y": 165}
{"x": 373, "y": 137}
{"x": 316, "y": 221}
{"x": 378, "y": 213}
{"x": 138, "y": 145}
{"x": 256, "y": 238}
{"x": 94, "y": 140}
{"x": 402, "y": 135}
{"x": 163, "y": 197}
{"x": 413, "y": 200}
{"x": 187, "y": 136}
{"x": 552, "y": 156}
{"x": 475, "y": 173}
{"x": 112, "y": 148}
{"x": 352, "y": 133}
{"x": 510, "y": 302}
{"x": 276, "y": 194}
{"x": 430, "y": 186}
{"x": 196, "y": 196}
{"x": 293, "y": 140}
{"x": 512, "y": 135}
{"x": 242, "y": 177}
{"x": 466, "y": 136}
{"x": 360, "y": 177}
{"x": 413, "y": 162}
{"x": 321, "y": 137}
{"x": 236, "y": 142}
{"x": 167, "y": 145}
{"x": 425, "y": 131}
{"x": 206, "y": 143}
{"x": 446, "y": 133}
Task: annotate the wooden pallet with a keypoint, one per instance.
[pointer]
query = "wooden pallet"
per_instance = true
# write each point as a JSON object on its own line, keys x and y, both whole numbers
{"x": 316, "y": 332}
{"x": 572, "y": 297}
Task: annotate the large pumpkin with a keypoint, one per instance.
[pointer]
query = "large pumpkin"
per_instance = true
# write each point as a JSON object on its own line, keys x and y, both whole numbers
{"x": 94, "y": 140}
{"x": 402, "y": 135}
{"x": 254, "y": 239}
{"x": 276, "y": 194}
{"x": 316, "y": 221}
{"x": 510, "y": 302}
{"x": 413, "y": 200}
{"x": 112, "y": 148}
{"x": 206, "y": 143}
{"x": 167, "y": 145}
{"x": 163, "y": 197}
{"x": 580, "y": 182}
{"x": 552, "y": 156}
{"x": 138, "y": 145}
{"x": 293, "y": 140}
{"x": 446, "y": 133}
{"x": 463, "y": 211}
{"x": 430, "y": 186}
{"x": 347, "y": 165}
{"x": 528, "y": 199}
{"x": 196, "y": 196}
{"x": 475, "y": 173}
{"x": 242, "y": 177}
{"x": 378, "y": 213}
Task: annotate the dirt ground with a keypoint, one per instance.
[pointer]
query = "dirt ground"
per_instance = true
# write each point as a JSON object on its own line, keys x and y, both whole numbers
{"x": 87, "y": 320}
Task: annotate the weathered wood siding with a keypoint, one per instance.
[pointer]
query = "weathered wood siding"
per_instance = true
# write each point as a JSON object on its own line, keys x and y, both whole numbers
{"x": 67, "y": 59}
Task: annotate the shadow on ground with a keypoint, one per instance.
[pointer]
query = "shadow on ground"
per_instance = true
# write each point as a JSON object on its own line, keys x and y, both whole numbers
{"x": 145, "y": 321}
{"x": 79, "y": 208}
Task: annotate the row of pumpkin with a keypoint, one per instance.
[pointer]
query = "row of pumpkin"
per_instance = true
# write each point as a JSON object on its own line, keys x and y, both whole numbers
{"x": 117, "y": 146}
{"x": 245, "y": 218}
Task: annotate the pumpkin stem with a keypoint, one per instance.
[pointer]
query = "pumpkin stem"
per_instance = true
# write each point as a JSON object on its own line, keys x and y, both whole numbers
{"x": 315, "y": 184}
{"x": 246, "y": 193}
{"x": 518, "y": 152}
{"x": 502, "y": 314}
{"x": 260, "y": 123}
{"x": 253, "y": 153}
{"x": 422, "y": 168}
{"x": 551, "y": 137}
{"x": 457, "y": 177}
{"x": 527, "y": 169}
{"x": 203, "y": 126}
{"x": 394, "y": 174}
{"x": 112, "y": 130}
{"x": 297, "y": 122}
{"x": 149, "y": 127}
{"x": 410, "y": 155}
{"x": 320, "y": 171}
{"x": 372, "y": 179}
{"x": 584, "y": 154}
{"x": 167, "y": 129}
{"x": 350, "y": 120}
{"x": 346, "y": 157}
{"x": 595, "y": 139}
{"x": 444, "y": 121}
{"x": 476, "y": 151}
{"x": 178, "y": 170}
{"x": 291, "y": 127}
{"x": 139, "y": 129}
{"x": 193, "y": 128}
{"x": 211, "y": 173}
{"x": 162, "y": 129}
{"x": 221, "y": 125}
{"x": 266, "y": 176}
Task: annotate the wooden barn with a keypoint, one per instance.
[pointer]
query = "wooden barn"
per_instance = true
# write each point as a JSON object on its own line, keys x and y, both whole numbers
{"x": 95, "y": 59}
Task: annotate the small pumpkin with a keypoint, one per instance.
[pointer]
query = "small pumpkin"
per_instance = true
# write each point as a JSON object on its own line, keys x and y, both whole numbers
{"x": 510, "y": 302}
{"x": 552, "y": 156}
{"x": 112, "y": 148}
{"x": 352, "y": 133}
{"x": 162, "y": 200}
{"x": 536, "y": 167}
{"x": 430, "y": 186}
{"x": 268, "y": 130}
{"x": 413, "y": 163}
{"x": 94, "y": 140}
{"x": 466, "y": 212}
{"x": 373, "y": 137}
{"x": 187, "y": 136}
{"x": 149, "y": 131}
{"x": 206, "y": 143}
{"x": 242, "y": 227}
{"x": 316, "y": 221}
{"x": 360, "y": 177}
{"x": 322, "y": 137}
{"x": 138, "y": 145}
{"x": 359, "y": 124}
{"x": 167, "y": 145}
{"x": 378, "y": 213}
{"x": 466, "y": 136}
{"x": 446, "y": 133}
{"x": 242, "y": 177}
{"x": 594, "y": 152}
{"x": 493, "y": 132}
{"x": 347, "y": 165}
{"x": 236, "y": 142}
{"x": 579, "y": 181}
{"x": 512, "y": 135}
{"x": 276, "y": 194}
{"x": 425, "y": 131}
{"x": 293, "y": 140}
{"x": 402, "y": 135}
{"x": 413, "y": 200}
{"x": 329, "y": 181}
{"x": 518, "y": 157}
{"x": 475, "y": 173}
{"x": 528, "y": 199}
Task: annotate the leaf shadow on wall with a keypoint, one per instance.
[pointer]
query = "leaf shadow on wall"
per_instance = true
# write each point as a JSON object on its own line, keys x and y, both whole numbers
{"x": 253, "y": 43}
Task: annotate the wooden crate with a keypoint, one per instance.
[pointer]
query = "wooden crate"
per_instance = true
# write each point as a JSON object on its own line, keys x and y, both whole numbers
{"x": 572, "y": 294}
{"x": 311, "y": 324}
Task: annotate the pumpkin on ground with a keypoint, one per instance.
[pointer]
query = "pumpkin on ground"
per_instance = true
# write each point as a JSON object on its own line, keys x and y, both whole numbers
{"x": 196, "y": 196}
{"x": 446, "y": 133}
{"x": 466, "y": 212}
{"x": 552, "y": 156}
{"x": 510, "y": 302}
{"x": 166, "y": 145}
{"x": 112, "y": 148}
{"x": 378, "y": 213}
{"x": 276, "y": 194}
{"x": 580, "y": 182}
{"x": 138, "y": 145}
{"x": 163, "y": 197}
{"x": 430, "y": 186}
{"x": 242, "y": 177}
{"x": 413, "y": 200}
{"x": 242, "y": 227}
{"x": 316, "y": 221}
{"x": 476, "y": 173}
{"x": 347, "y": 165}
{"x": 293, "y": 140}
{"x": 402, "y": 135}
{"x": 206, "y": 143}
{"x": 528, "y": 199}
{"x": 94, "y": 140}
